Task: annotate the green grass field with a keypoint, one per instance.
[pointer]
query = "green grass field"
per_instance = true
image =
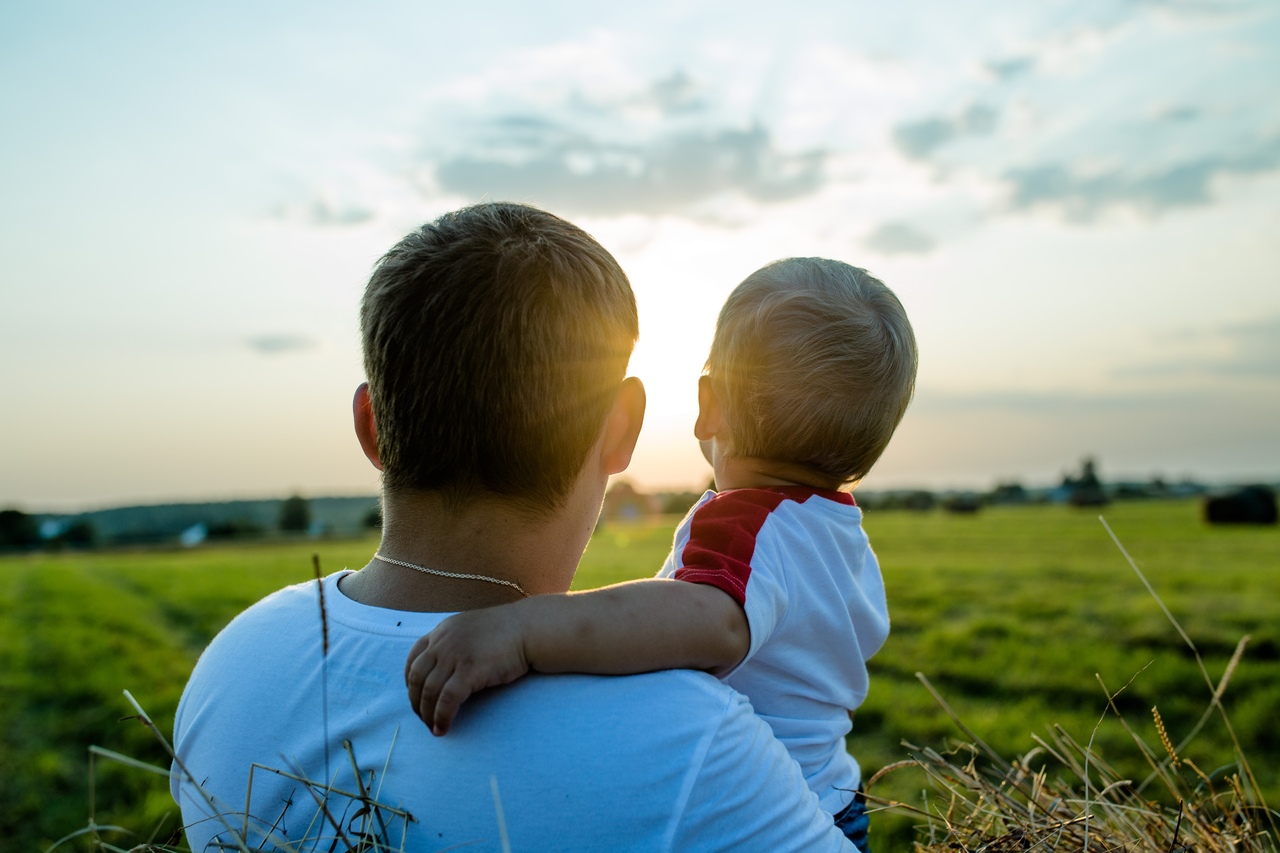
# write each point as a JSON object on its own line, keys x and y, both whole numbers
{"x": 1013, "y": 615}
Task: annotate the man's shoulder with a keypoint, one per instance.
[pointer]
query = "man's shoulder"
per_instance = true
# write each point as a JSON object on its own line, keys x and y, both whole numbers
{"x": 286, "y": 611}
{"x": 668, "y": 718}
{"x": 285, "y": 600}
{"x": 688, "y": 705}
{"x": 647, "y": 755}
{"x": 673, "y": 685}
{"x": 275, "y": 632}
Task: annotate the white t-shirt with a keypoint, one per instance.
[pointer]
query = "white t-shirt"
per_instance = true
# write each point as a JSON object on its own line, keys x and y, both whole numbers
{"x": 798, "y": 562}
{"x": 667, "y": 761}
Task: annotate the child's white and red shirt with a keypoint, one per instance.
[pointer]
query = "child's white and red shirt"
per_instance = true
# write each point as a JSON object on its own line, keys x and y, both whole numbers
{"x": 799, "y": 563}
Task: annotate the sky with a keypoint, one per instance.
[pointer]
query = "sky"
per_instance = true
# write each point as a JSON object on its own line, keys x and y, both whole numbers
{"x": 1077, "y": 201}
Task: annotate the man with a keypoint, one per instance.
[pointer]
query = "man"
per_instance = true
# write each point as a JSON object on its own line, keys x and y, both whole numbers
{"x": 496, "y": 341}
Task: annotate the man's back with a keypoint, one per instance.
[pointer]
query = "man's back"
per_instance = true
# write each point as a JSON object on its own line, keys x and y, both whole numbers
{"x": 666, "y": 761}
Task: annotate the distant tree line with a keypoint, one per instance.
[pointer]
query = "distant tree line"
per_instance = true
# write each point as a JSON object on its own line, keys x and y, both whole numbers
{"x": 1253, "y": 504}
{"x": 20, "y": 531}
{"x": 1084, "y": 487}
{"x": 189, "y": 524}
{"x": 295, "y": 514}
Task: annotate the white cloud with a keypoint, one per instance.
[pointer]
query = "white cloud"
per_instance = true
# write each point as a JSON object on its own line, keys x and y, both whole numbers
{"x": 555, "y": 165}
{"x": 899, "y": 238}
{"x": 1241, "y": 351}
{"x": 280, "y": 343}
{"x": 1082, "y": 196}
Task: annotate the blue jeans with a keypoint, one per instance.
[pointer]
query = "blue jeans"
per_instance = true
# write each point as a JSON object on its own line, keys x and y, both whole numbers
{"x": 854, "y": 822}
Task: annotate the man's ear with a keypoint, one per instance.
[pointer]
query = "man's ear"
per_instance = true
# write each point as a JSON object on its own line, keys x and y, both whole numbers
{"x": 366, "y": 426}
{"x": 622, "y": 428}
{"x": 710, "y": 422}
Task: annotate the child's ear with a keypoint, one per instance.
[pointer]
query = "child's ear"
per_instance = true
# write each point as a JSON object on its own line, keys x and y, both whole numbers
{"x": 622, "y": 429}
{"x": 366, "y": 426}
{"x": 710, "y": 422}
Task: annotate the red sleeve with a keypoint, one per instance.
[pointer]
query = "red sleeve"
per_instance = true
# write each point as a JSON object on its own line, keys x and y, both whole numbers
{"x": 722, "y": 539}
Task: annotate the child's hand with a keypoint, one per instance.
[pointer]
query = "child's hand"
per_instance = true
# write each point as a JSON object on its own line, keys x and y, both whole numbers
{"x": 467, "y": 652}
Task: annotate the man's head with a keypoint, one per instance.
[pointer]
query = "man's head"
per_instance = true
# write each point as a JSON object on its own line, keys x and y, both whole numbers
{"x": 813, "y": 364}
{"x": 495, "y": 340}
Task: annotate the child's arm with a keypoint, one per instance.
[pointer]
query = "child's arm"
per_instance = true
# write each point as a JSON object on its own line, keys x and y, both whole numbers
{"x": 639, "y": 626}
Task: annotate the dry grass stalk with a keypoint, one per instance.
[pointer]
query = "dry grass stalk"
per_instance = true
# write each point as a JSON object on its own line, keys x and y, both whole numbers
{"x": 1217, "y": 690}
{"x": 992, "y": 811}
{"x": 374, "y": 828}
{"x": 1164, "y": 737}
{"x": 1000, "y": 806}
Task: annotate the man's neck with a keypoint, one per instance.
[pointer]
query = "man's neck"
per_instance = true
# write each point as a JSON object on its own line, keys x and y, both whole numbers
{"x": 489, "y": 538}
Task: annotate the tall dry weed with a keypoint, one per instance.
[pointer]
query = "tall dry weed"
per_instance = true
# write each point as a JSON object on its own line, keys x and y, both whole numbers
{"x": 984, "y": 803}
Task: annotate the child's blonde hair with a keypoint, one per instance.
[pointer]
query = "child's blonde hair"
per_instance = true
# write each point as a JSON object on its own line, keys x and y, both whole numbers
{"x": 814, "y": 362}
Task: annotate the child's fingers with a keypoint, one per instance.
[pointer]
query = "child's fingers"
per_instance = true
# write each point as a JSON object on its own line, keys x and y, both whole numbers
{"x": 452, "y": 694}
{"x": 417, "y": 670}
{"x": 429, "y": 697}
{"x": 418, "y": 648}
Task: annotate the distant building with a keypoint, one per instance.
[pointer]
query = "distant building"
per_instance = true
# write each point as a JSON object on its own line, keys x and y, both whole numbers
{"x": 194, "y": 535}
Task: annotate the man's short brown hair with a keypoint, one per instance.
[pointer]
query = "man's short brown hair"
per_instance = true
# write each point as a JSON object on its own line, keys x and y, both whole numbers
{"x": 495, "y": 339}
{"x": 814, "y": 362}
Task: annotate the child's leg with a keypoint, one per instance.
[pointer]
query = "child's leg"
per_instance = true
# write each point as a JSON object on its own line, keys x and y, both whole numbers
{"x": 854, "y": 822}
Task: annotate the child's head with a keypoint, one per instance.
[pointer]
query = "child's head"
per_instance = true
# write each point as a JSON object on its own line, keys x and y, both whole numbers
{"x": 813, "y": 364}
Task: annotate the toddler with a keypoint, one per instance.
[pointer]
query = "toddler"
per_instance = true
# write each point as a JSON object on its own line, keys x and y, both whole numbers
{"x": 771, "y": 584}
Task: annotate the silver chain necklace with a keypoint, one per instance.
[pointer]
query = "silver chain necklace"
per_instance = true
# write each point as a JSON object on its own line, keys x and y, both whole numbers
{"x": 457, "y": 575}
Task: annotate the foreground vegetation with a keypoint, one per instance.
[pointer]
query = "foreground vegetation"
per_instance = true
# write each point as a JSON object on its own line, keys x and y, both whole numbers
{"x": 1017, "y": 616}
{"x": 1026, "y": 623}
